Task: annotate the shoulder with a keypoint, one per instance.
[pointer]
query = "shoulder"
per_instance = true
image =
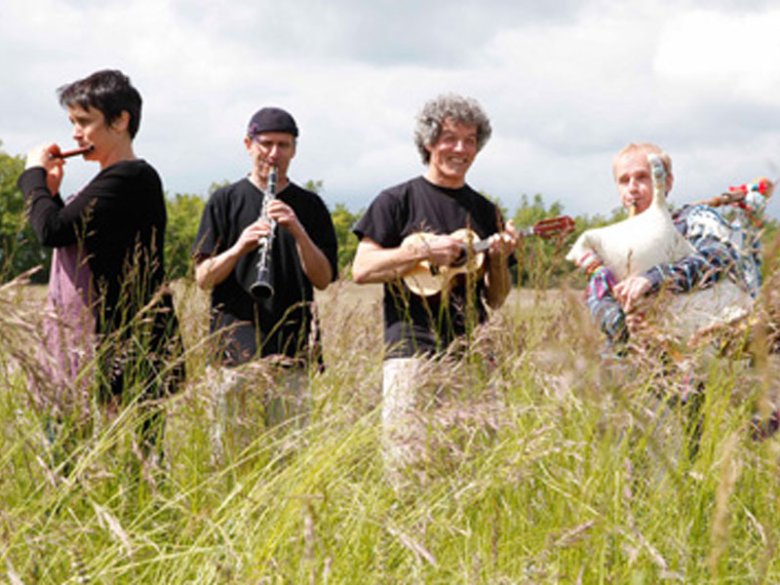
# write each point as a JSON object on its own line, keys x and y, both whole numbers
{"x": 297, "y": 192}
{"x": 478, "y": 199}
{"x": 702, "y": 221}
{"x": 401, "y": 193}
{"x": 123, "y": 182}
{"x": 308, "y": 205}
{"x": 137, "y": 169}
{"x": 480, "y": 208}
{"x": 386, "y": 214}
{"x": 235, "y": 190}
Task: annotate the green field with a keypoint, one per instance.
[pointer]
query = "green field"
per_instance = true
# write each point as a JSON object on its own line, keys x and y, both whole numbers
{"x": 590, "y": 472}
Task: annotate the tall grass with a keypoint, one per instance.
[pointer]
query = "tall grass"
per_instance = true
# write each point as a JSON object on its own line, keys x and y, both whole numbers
{"x": 591, "y": 474}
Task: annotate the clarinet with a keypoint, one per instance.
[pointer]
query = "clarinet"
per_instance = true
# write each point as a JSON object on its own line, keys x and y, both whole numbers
{"x": 263, "y": 288}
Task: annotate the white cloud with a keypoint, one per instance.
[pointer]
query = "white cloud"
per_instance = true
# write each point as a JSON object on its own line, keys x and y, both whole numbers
{"x": 566, "y": 84}
{"x": 735, "y": 56}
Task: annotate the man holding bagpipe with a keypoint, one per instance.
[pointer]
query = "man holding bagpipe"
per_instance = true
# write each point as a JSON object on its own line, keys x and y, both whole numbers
{"x": 719, "y": 249}
{"x": 412, "y": 239}
{"x": 674, "y": 281}
{"x": 263, "y": 243}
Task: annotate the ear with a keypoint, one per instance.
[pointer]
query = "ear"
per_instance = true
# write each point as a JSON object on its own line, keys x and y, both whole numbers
{"x": 121, "y": 122}
{"x": 247, "y": 143}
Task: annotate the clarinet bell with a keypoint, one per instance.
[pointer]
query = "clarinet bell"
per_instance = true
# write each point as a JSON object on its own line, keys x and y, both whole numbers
{"x": 262, "y": 288}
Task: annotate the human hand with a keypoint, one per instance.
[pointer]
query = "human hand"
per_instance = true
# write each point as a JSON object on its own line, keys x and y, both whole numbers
{"x": 636, "y": 322}
{"x": 630, "y": 290}
{"x": 251, "y": 237}
{"x": 443, "y": 250}
{"x": 285, "y": 216}
{"x": 48, "y": 157}
{"x": 504, "y": 243}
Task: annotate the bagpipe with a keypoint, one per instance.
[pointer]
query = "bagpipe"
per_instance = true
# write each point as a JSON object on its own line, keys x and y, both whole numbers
{"x": 640, "y": 242}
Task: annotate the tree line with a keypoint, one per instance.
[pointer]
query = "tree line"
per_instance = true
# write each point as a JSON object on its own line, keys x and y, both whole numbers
{"x": 540, "y": 262}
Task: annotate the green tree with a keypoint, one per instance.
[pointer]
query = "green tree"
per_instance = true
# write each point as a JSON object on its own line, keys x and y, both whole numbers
{"x": 540, "y": 262}
{"x": 184, "y": 213}
{"x": 343, "y": 220}
{"x": 19, "y": 248}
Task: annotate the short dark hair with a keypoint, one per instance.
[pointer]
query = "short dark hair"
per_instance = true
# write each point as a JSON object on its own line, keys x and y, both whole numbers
{"x": 108, "y": 91}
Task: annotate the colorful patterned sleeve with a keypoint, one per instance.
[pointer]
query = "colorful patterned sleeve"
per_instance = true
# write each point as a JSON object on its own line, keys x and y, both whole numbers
{"x": 604, "y": 307}
{"x": 713, "y": 258}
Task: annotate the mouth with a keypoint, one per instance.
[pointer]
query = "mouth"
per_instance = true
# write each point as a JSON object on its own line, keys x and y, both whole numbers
{"x": 458, "y": 161}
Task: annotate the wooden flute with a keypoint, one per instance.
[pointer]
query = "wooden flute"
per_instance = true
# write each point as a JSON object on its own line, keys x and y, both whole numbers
{"x": 75, "y": 151}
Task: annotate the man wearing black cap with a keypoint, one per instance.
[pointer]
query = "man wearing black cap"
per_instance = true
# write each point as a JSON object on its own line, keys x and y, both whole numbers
{"x": 303, "y": 254}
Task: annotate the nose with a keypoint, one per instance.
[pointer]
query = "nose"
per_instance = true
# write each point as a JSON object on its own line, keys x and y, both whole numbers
{"x": 273, "y": 154}
{"x": 460, "y": 145}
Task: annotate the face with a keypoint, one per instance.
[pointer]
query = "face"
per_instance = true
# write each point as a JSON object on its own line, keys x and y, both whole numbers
{"x": 90, "y": 128}
{"x": 634, "y": 179}
{"x": 452, "y": 154}
{"x": 270, "y": 149}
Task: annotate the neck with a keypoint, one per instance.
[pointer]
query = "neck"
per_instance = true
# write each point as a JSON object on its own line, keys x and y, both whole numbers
{"x": 118, "y": 154}
{"x": 262, "y": 182}
{"x": 444, "y": 181}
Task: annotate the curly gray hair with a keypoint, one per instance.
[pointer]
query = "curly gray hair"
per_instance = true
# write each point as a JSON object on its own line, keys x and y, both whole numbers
{"x": 455, "y": 107}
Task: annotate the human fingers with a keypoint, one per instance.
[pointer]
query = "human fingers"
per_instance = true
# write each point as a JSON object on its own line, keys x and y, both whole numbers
{"x": 444, "y": 250}
{"x": 504, "y": 242}
{"x": 619, "y": 290}
{"x": 44, "y": 155}
{"x": 282, "y": 213}
{"x": 635, "y": 322}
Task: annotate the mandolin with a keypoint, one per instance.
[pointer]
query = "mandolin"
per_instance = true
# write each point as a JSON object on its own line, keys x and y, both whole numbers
{"x": 427, "y": 279}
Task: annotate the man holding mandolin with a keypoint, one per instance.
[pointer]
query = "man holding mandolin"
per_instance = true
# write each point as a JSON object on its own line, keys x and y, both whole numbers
{"x": 421, "y": 321}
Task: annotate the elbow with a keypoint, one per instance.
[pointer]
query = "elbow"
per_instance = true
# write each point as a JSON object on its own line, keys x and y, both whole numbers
{"x": 359, "y": 274}
{"x": 497, "y": 301}
{"x": 321, "y": 279}
{"x": 46, "y": 237}
{"x": 323, "y": 283}
{"x": 202, "y": 284}
{"x": 202, "y": 277}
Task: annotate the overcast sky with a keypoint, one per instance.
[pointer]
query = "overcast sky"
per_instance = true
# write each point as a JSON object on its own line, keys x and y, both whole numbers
{"x": 566, "y": 84}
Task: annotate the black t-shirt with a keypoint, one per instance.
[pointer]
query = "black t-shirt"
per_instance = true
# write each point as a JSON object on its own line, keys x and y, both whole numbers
{"x": 415, "y": 324}
{"x": 282, "y": 323}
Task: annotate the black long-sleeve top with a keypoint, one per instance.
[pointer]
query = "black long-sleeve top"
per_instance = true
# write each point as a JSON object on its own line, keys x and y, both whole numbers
{"x": 119, "y": 219}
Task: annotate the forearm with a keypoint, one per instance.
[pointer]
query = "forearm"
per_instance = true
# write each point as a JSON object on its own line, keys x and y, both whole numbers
{"x": 604, "y": 308}
{"x": 315, "y": 264}
{"x": 711, "y": 260}
{"x": 43, "y": 209}
{"x": 498, "y": 282}
{"x": 211, "y": 271}
{"x": 374, "y": 264}
{"x": 610, "y": 317}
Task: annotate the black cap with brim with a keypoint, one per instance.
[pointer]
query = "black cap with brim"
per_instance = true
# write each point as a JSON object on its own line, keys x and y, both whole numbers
{"x": 271, "y": 120}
